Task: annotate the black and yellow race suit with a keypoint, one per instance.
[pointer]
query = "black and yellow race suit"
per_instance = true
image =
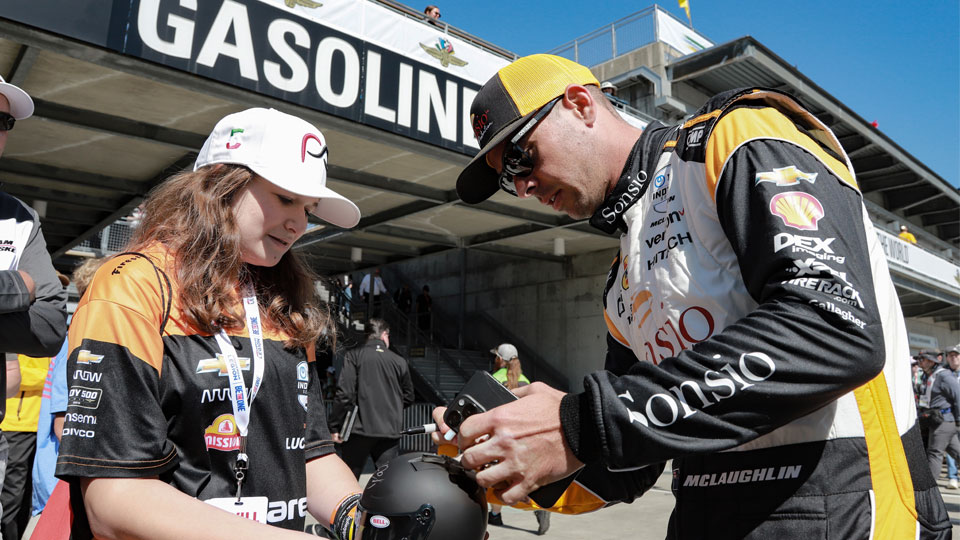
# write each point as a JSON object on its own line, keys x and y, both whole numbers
{"x": 755, "y": 336}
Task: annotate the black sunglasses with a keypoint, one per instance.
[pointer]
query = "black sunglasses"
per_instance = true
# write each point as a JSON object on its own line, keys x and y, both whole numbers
{"x": 516, "y": 161}
{"x": 7, "y": 121}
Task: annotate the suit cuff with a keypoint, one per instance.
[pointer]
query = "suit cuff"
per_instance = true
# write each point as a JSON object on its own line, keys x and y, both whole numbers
{"x": 579, "y": 428}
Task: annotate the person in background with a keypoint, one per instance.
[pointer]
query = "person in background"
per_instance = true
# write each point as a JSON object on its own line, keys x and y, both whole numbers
{"x": 953, "y": 362}
{"x": 432, "y": 12}
{"x": 503, "y": 355}
{"x": 906, "y": 235}
{"x": 424, "y": 310}
{"x": 404, "y": 299}
{"x": 348, "y": 291}
{"x": 941, "y": 393}
{"x": 377, "y": 381}
{"x": 53, "y": 406}
{"x": 192, "y": 356}
{"x": 608, "y": 88}
{"x": 20, "y": 428}
{"x": 33, "y": 317}
{"x": 373, "y": 283}
{"x": 330, "y": 383}
{"x": 916, "y": 378}
{"x": 509, "y": 372}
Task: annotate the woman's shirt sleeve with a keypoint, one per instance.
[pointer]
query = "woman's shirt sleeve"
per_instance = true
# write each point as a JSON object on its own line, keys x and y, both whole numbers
{"x": 115, "y": 426}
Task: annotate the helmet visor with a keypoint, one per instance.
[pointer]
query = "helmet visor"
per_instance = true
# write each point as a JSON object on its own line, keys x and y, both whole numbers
{"x": 413, "y": 526}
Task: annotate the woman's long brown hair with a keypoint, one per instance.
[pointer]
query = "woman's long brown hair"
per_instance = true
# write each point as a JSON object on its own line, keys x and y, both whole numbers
{"x": 191, "y": 213}
{"x": 514, "y": 370}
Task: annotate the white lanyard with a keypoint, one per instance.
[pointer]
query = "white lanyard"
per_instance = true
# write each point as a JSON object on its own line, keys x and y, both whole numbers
{"x": 241, "y": 400}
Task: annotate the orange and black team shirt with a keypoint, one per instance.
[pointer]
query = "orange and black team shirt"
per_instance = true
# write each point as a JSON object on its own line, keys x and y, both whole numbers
{"x": 149, "y": 397}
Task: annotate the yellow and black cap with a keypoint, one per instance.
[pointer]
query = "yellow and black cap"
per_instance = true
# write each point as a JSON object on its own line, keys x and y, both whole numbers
{"x": 504, "y": 103}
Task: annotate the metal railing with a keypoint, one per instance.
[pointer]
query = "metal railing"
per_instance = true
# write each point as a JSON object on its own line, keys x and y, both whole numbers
{"x": 620, "y": 37}
{"x": 446, "y": 28}
{"x": 416, "y": 414}
{"x": 111, "y": 239}
{"x": 405, "y": 333}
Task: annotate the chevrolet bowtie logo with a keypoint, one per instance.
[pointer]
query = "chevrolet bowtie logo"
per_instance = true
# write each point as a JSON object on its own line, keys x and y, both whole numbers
{"x": 87, "y": 357}
{"x": 786, "y": 176}
{"x": 219, "y": 364}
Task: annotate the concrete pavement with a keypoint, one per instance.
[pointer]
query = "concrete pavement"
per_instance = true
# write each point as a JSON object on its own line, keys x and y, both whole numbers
{"x": 645, "y": 519}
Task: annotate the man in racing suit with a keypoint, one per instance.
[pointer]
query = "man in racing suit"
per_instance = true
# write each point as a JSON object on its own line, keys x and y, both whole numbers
{"x": 754, "y": 334}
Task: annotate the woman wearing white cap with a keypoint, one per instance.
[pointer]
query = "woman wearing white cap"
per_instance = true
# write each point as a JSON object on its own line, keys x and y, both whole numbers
{"x": 193, "y": 387}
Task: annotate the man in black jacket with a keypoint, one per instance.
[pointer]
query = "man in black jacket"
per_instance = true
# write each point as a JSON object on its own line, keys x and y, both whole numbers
{"x": 377, "y": 382}
{"x": 33, "y": 317}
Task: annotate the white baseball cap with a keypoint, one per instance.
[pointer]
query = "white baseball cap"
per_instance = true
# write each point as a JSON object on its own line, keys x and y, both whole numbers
{"x": 21, "y": 106}
{"x": 283, "y": 149}
{"x": 506, "y": 351}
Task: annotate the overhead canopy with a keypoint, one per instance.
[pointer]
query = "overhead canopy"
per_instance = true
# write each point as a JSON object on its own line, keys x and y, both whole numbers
{"x": 896, "y": 185}
{"x": 888, "y": 175}
{"x": 119, "y": 107}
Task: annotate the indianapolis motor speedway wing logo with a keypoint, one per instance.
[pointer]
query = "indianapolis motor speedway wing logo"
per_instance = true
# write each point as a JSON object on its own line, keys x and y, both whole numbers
{"x": 442, "y": 50}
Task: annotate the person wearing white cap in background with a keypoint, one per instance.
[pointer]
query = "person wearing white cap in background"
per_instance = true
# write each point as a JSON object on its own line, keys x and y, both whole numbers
{"x": 508, "y": 371}
{"x": 33, "y": 318}
{"x": 195, "y": 352}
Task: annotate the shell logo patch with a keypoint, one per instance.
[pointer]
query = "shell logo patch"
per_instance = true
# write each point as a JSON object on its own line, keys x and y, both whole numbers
{"x": 786, "y": 176}
{"x": 797, "y": 209}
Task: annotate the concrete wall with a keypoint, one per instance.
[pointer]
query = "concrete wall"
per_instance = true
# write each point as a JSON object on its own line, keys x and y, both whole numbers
{"x": 556, "y": 307}
{"x": 926, "y": 326}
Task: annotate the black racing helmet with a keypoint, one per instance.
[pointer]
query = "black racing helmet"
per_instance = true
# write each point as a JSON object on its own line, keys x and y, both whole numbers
{"x": 422, "y": 497}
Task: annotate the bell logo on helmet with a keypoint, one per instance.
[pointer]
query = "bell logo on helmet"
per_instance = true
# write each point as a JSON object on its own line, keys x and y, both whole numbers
{"x": 380, "y": 522}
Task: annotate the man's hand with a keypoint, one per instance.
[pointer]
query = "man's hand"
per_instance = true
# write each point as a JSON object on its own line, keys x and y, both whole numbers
{"x": 336, "y": 437}
{"x": 525, "y": 441}
{"x": 31, "y": 286}
{"x": 13, "y": 375}
{"x": 442, "y": 429}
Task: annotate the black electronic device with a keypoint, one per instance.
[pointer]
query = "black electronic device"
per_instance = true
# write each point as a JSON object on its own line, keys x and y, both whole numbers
{"x": 482, "y": 393}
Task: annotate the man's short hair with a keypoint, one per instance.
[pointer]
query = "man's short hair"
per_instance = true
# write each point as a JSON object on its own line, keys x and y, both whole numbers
{"x": 376, "y": 327}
